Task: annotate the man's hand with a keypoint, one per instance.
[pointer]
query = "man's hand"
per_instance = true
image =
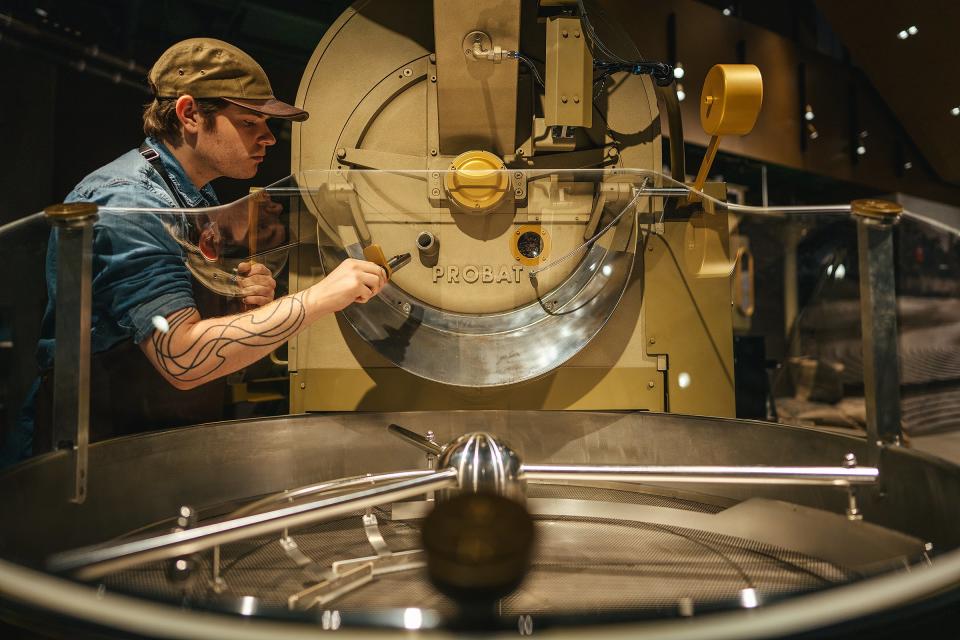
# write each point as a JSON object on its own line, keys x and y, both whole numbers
{"x": 352, "y": 281}
{"x": 256, "y": 283}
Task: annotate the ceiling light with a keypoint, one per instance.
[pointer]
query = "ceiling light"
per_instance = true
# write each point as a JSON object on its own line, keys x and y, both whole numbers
{"x": 864, "y": 134}
{"x": 861, "y": 150}
{"x": 678, "y": 71}
{"x": 681, "y": 94}
{"x": 728, "y": 11}
{"x": 903, "y": 35}
{"x": 908, "y": 165}
{"x": 955, "y": 111}
{"x": 912, "y": 30}
{"x": 808, "y": 113}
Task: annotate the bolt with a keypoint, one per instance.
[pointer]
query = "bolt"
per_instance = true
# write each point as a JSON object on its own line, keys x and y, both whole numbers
{"x": 435, "y": 175}
{"x": 564, "y": 33}
{"x": 341, "y": 153}
{"x": 408, "y": 71}
{"x": 406, "y": 307}
{"x": 433, "y": 78}
{"x": 436, "y": 193}
{"x": 519, "y": 152}
{"x": 653, "y": 341}
{"x": 612, "y": 152}
{"x": 433, "y": 57}
{"x": 518, "y": 193}
{"x": 518, "y": 231}
{"x": 576, "y": 34}
{"x": 433, "y": 152}
{"x": 650, "y": 385}
{"x": 563, "y": 99}
{"x": 303, "y": 385}
{"x": 576, "y": 99}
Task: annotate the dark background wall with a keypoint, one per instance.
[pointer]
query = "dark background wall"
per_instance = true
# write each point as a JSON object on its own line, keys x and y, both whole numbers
{"x": 66, "y": 111}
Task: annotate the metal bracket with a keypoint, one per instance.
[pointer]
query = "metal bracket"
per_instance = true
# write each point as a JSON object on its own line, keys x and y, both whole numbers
{"x": 853, "y": 510}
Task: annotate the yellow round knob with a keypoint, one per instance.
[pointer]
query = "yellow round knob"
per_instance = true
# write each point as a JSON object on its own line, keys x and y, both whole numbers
{"x": 731, "y": 98}
{"x": 477, "y": 181}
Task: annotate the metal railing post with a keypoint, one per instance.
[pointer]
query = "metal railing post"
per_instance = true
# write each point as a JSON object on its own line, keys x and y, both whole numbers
{"x": 878, "y": 319}
{"x": 73, "y": 224}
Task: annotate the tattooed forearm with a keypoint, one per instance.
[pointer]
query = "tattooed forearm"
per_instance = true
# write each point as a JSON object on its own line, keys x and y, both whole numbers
{"x": 193, "y": 351}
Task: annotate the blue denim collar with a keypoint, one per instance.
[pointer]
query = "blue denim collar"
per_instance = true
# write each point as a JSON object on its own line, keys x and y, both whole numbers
{"x": 203, "y": 197}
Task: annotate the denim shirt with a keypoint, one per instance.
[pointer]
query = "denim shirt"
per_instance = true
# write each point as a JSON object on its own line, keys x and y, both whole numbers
{"x": 138, "y": 268}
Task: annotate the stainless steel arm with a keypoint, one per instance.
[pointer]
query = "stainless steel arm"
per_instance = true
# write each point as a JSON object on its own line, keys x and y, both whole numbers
{"x": 326, "y": 487}
{"x": 415, "y": 439}
{"x": 823, "y": 476}
{"x": 90, "y": 563}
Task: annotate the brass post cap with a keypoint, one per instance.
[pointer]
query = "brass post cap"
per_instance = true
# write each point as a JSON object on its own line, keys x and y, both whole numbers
{"x": 69, "y": 211}
{"x": 881, "y": 209}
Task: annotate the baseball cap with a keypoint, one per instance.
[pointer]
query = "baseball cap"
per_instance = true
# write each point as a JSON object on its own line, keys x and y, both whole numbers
{"x": 209, "y": 68}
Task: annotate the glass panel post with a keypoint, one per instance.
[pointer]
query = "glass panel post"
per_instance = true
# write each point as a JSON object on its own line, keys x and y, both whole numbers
{"x": 71, "y": 378}
{"x": 878, "y": 318}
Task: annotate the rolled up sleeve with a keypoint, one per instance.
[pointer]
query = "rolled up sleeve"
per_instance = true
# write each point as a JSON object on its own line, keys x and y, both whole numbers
{"x": 139, "y": 270}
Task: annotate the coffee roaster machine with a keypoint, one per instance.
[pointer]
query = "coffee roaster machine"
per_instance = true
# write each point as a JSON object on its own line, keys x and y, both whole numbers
{"x": 531, "y": 429}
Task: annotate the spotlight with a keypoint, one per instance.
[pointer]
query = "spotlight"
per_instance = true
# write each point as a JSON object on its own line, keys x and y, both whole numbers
{"x": 808, "y": 113}
{"x": 861, "y": 150}
{"x": 681, "y": 94}
{"x": 678, "y": 71}
{"x": 955, "y": 111}
{"x": 912, "y": 30}
{"x": 728, "y": 11}
{"x": 908, "y": 165}
{"x": 903, "y": 35}
{"x": 812, "y": 131}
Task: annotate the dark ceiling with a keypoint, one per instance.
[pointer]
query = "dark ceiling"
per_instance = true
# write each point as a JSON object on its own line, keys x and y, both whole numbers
{"x": 919, "y": 76}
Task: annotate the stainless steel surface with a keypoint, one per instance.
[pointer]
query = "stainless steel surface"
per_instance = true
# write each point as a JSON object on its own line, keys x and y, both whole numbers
{"x": 483, "y": 463}
{"x": 878, "y": 321}
{"x": 71, "y": 376}
{"x": 222, "y": 463}
{"x": 823, "y": 476}
{"x": 91, "y": 563}
{"x": 234, "y": 461}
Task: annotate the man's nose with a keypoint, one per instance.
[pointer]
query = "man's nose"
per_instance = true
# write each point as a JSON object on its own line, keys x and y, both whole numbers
{"x": 266, "y": 136}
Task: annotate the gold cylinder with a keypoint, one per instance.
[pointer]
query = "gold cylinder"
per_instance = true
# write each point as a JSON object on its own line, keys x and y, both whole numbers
{"x": 731, "y": 98}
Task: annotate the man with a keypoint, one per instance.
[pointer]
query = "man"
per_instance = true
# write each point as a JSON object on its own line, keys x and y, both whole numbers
{"x": 150, "y": 342}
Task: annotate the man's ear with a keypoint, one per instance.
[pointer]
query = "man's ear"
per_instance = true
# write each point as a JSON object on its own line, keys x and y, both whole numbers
{"x": 188, "y": 114}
